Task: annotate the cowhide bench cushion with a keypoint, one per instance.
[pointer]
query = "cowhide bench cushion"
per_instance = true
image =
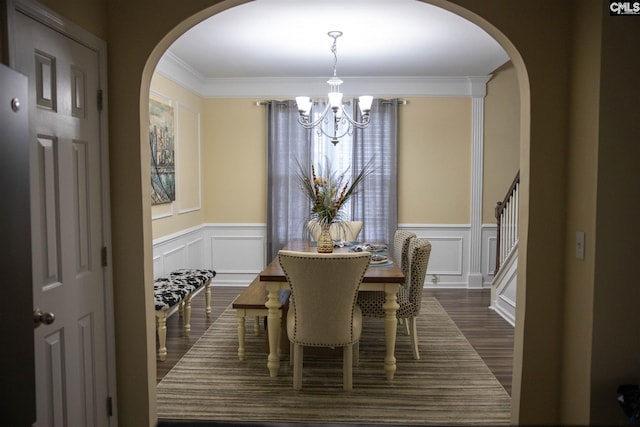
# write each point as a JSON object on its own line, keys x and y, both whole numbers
{"x": 177, "y": 289}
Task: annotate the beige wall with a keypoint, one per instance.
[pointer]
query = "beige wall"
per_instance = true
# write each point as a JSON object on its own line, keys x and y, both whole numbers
{"x": 186, "y": 211}
{"x": 582, "y": 170}
{"x": 89, "y": 14}
{"x": 501, "y": 138}
{"x": 236, "y": 159}
{"x": 434, "y": 139}
{"x": 540, "y": 41}
{"x": 434, "y": 161}
{"x": 614, "y": 355}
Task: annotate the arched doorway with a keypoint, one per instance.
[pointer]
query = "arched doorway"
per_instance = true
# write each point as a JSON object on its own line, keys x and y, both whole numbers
{"x": 515, "y": 57}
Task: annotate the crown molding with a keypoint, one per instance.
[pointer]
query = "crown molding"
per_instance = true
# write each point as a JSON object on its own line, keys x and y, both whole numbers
{"x": 174, "y": 69}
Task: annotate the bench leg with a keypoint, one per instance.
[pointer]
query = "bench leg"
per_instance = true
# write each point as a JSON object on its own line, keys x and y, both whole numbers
{"x": 161, "y": 326}
{"x": 240, "y": 314}
{"x": 187, "y": 315}
{"x": 207, "y": 297}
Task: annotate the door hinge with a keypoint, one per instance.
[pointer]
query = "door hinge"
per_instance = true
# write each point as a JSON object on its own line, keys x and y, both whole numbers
{"x": 104, "y": 256}
{"x": 99, "y": 99}
{"x": 109, "y": 406}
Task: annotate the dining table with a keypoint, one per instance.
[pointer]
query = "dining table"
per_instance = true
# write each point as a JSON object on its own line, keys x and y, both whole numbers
{"x": 386, "y": 278}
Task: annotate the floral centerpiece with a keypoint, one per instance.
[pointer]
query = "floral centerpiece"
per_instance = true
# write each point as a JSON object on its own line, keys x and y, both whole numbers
{"x": 328, "y": 191}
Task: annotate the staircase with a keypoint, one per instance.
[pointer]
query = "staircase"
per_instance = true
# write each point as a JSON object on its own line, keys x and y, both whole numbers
{"x": 504, "y": 285}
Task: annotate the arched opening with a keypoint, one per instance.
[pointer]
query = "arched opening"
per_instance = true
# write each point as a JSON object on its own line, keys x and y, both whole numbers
{"x": 506, "y": 44}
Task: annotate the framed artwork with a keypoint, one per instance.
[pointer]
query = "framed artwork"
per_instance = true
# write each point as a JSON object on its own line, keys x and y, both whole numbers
{"x": 161, "y": 142}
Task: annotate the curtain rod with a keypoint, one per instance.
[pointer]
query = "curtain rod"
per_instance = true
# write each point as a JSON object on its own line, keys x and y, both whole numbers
{"x": 261, "y": 103}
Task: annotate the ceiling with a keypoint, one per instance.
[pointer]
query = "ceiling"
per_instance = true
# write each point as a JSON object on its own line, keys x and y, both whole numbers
{"x": 285, "y": 42}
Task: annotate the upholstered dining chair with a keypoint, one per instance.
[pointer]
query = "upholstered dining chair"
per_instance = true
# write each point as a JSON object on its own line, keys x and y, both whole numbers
{"x": 322, "y": 308}
{"x": 410, "y": 297}
{"x": 369, "y": 300}
{"x": 347, "y": 231}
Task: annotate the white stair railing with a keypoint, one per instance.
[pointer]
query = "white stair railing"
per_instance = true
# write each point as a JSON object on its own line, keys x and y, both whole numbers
{"x": 507, "y": 223}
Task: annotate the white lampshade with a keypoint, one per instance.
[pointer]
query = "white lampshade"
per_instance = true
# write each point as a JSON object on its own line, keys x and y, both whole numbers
{"x": 364, "y": 103}
{"x": 335, "y": 99}
{"x": 304, "y": 104}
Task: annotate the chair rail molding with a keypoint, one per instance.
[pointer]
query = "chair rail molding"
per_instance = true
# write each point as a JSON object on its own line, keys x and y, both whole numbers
{"x": 237, "y": 252}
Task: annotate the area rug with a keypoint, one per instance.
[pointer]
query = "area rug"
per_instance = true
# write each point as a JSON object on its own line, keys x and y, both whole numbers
{"x": 449, "y": 385}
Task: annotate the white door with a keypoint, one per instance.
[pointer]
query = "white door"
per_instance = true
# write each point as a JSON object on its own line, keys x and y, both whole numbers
{"x": 66, "y": 223}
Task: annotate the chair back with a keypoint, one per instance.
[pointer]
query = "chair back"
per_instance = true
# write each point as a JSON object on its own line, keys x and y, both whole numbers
{"x": 324, "y": 288}
{"x": 400, "y": 251}
{"x": 419, "y": 252}
{"x": 347, "y": 231}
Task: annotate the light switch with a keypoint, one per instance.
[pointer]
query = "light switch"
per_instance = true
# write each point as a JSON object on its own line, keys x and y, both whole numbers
{"x": 580, "y": 245}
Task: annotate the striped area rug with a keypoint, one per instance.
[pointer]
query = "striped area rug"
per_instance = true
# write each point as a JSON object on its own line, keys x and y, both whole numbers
{"x": 449, "y": 385}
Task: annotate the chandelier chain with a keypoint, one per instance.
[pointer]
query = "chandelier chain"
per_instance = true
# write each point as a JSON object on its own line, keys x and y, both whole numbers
{"x": 334, "y": 49}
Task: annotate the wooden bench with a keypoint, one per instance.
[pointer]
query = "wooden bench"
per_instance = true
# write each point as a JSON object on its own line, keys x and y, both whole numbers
{"x": 176, "y": 289}
{"x": 251, "y": 302}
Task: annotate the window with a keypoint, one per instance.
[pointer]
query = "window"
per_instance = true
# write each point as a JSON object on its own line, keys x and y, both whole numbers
{"x": 289, "y": 143}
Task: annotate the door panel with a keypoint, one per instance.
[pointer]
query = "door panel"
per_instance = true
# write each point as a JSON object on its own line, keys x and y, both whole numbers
{"x": 17, "y": 382}
{"x": 67, "y": 236}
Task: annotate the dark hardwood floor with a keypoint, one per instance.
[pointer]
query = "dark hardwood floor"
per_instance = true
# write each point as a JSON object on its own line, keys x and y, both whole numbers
{"x": 486, "y": 331}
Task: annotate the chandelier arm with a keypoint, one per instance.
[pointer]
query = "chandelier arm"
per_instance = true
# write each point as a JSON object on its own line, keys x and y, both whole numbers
{"x": 359, "y": 125}
{"x": 310, "y": 125}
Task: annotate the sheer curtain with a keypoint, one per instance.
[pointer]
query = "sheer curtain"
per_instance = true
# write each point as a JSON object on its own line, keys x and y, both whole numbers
{"x": 289, "y": 143}
{"x": 376, "y": 203}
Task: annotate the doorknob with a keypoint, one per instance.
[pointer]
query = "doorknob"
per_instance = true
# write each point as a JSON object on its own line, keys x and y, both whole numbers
{"x": 40, "y": 317}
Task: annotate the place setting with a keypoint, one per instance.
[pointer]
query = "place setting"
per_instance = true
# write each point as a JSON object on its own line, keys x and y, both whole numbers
{"x": 378, "y": 253}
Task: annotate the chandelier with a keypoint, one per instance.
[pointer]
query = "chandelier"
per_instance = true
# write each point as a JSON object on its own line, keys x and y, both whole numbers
{"x": 342, "y": 122}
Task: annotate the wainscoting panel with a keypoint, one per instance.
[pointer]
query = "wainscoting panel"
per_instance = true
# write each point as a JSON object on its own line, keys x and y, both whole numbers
{"x": 238, "y": 252}
{"x": 185, "y": 249}
{"x": 195, "y": 253}
{"x": 446, "y": 256}
{"x": 450, "y": 252}
{"x": 175, "y": 258}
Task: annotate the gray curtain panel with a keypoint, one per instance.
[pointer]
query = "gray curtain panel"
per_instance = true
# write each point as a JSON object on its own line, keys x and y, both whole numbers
{"x": 376, "y": 203}
{"x": 289, "y": 143}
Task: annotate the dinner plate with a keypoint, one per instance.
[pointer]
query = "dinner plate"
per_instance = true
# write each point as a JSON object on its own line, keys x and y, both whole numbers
{"x": 379, "y": 259}
{"x": 368, "y": 247}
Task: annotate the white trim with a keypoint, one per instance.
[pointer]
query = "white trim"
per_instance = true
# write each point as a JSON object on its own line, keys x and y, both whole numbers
{"x": 164, "y": 214}
{"x": 177, "y": 235}
{"x": 174, "y": 69}
{"x": 477, "y": 167}
{"x": 164, "y": 98}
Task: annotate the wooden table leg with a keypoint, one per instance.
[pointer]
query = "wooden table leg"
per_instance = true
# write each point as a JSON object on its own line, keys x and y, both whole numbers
{"x": 240, "y": 314}
{"x": 273, "y": 324}
{"x": 390, "y": 327}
